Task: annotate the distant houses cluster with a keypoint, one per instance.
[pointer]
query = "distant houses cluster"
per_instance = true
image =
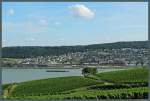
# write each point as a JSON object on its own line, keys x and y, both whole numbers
{"x": 121, "y": 57}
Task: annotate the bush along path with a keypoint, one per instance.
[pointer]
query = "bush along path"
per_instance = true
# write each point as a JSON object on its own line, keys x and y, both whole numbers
{"x": 7, "y": 92}
{"x": 98, "y": 79}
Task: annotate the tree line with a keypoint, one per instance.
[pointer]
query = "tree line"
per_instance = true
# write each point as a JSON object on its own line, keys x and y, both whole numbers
{"x": 34, "y": 51}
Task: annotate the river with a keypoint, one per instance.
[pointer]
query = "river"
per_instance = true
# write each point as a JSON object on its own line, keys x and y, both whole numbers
{"x": 21, "y": 75}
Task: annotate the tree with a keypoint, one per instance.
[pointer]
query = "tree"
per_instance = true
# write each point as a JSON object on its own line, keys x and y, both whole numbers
{"x": 142, "y": 63}
{"x": 136, "y": 63}
{"x": 119, "y": 62}
{"x": 87, "y": 71}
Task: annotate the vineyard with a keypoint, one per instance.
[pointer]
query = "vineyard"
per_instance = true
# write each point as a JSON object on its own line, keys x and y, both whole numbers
{"x": 122, "y": 84}
{"x": 133, "y": 93}
{"x": 51, "y": 86}
{"x": 139, "y": 75}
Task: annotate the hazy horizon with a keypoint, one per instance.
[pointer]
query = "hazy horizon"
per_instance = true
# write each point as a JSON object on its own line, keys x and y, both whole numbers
{"x": 73, "y": 23}
{"x": 72, "y": 45}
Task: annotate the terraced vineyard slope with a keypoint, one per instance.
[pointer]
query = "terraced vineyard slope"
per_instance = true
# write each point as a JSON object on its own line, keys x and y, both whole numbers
{"x": 123, "y": 84}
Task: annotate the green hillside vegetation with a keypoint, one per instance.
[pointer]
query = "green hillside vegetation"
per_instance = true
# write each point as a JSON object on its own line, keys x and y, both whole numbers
{"x": 132, "y": 93}
{"x": 115, "y": 85}
{"x": 51, "y": 85}
{"x": 34, "y": 51}
{"x": 139, "y": 75}
{"x": 5, "y": 86}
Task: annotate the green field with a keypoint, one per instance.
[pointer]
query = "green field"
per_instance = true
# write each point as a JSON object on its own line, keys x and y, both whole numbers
{"x": 126, "y": 76}
{"x": 51, "y": 86}
{"x": 133, "y": 93}
{"x": 132, "y": 83}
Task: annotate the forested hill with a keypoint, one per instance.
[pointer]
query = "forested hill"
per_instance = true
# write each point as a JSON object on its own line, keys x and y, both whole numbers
{"x": 33, "y": 51}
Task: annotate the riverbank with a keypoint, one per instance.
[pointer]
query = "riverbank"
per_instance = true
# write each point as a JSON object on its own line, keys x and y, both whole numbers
{"x": 73, "y": 67}
{"x": 11, "y": 75}
{"x": 124, "y": 84}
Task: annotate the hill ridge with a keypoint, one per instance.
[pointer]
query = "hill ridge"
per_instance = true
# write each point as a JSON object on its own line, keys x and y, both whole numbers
{"x": 33, "y": 51}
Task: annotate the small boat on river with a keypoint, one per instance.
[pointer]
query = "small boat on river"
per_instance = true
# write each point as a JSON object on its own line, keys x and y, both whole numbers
{"x": 57, "y": 71}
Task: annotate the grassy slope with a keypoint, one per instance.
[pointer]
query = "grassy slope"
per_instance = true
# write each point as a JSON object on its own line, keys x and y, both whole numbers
{"x": 126, "y": 76}
{"x": 51, "y": 85}
{"x": 132, "y": 93}
{"x": 79, "y": 87}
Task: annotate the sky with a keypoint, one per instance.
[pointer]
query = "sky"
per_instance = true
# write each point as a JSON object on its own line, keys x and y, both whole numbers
{"x": 73, "y": 23}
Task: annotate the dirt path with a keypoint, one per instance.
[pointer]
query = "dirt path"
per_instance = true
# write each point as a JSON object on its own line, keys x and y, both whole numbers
{"x": 99, "y": 79}
{"x": 94, "y": 77}
{"x": 8, "y": 90}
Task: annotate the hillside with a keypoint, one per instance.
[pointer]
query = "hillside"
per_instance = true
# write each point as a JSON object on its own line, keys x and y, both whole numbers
{"x": 33, "y": 51}
{"x": 105, "y": 86}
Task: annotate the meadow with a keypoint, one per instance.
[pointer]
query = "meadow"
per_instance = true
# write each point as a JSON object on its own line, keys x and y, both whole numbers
{"x": 123, "y": 84}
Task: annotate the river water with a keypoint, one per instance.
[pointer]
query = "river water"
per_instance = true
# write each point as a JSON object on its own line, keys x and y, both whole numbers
{"x": 21, "y": 75}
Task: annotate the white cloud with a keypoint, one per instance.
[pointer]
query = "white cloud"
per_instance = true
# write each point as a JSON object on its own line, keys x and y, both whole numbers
{"x": 11, "y": 12}
{"x": 57, "y": 23}
{"x": 43, "y": 22}
{"x": 80, "y": 10}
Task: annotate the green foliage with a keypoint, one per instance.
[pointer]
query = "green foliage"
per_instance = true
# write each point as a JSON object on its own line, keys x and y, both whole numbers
{"x": 89, "y": 70}
{"x": 123, "y": 84}
{"x": 112, "y": 94}
{"x": 114, "y": 86}
{"x": 51, "y": 86}
{"x": 138, "y": 75}
{"x": 34, "y": 51}
{"x": 5, "y": 86}
{"x": 132, "y": 93}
